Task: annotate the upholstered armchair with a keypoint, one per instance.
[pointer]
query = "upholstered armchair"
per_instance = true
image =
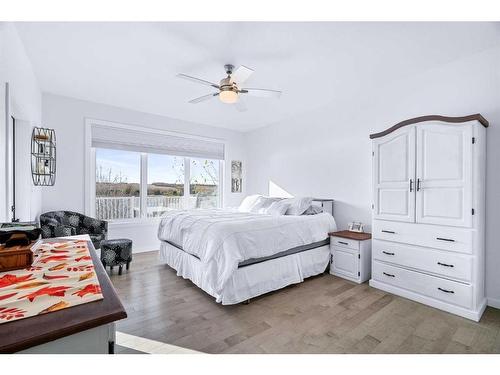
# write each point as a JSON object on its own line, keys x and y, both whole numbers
{"x": 68, "y": 223}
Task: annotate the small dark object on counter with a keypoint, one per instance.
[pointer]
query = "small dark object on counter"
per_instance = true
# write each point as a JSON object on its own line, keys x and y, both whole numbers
{"x": 30, "y": 235}
{"x": 17, "y": 239}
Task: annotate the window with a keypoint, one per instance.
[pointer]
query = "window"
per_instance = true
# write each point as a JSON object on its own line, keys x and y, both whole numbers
{"x": 133, "y": 185}
{"x": 165, "y": 184}
{"x": 117, "y": 187}
{"x": 204, "y": 182}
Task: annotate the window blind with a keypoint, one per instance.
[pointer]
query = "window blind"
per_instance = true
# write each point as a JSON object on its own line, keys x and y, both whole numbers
{"x": 149, "y": 141}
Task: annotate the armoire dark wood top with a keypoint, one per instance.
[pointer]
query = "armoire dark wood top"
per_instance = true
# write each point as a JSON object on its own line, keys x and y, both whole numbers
{"x": 456, "y": 120}
{"x": 25, "y": 333}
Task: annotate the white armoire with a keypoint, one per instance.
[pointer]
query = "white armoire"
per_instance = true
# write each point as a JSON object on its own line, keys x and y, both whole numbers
{"x": 429, "y": 212}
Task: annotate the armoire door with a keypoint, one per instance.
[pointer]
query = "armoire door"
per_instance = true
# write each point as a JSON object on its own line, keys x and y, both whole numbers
{"x": 444, "y": 175}
{"x": 394, "y": 176}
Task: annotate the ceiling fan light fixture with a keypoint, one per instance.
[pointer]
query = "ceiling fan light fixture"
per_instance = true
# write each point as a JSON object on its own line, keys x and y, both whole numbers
{"x": 228, "y": 90}
{"x": 228, "y": 96}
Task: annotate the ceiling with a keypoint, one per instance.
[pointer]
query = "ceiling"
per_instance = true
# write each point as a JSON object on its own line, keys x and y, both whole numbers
{"x": 133, "y": 65}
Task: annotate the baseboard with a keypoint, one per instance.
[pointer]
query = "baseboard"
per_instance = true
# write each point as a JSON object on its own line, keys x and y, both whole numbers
{"x": 494, "y": 302}
{"x": 469, "y": 314}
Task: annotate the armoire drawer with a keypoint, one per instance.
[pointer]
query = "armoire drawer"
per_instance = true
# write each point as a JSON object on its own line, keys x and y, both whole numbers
{"x": 344, "y": 242}
{"x": 435, "y": 236}
{"x": 439, "y": 262}
{"x": 435, "y": 287}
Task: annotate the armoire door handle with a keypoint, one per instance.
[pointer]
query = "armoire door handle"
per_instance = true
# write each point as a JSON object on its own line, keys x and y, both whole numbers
{"x": 418, "y": 184}
{"x": 446, "y": 291}
{"x": 411, "y": 185}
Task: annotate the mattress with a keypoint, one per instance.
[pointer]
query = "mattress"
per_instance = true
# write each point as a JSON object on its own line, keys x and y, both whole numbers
{"x": 224, "y": 240}
{"x": 251, "y": 281}
{"x": 249, "y": 262}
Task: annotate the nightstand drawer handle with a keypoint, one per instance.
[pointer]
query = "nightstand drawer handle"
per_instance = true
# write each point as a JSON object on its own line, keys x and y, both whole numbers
{"x": 388, "y": 231}
{"x": 446, "y": 291}
{"x": 388, "y": 274}
{"x": 445, "y": 265}
{"x": 445, "y": 239}
{"x": 388, "y": 253}
{"x": 343, "y": 243}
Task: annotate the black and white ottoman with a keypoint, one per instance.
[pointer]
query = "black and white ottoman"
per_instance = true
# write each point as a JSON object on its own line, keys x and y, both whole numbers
{"x": 116, "y": 253}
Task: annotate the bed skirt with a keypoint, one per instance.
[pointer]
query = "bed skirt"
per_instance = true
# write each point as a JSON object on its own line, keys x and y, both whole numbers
{"x": 253, "y": 280}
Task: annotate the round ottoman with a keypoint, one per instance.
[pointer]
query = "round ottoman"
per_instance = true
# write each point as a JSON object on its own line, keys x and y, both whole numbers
{"x": 116, "y": 253}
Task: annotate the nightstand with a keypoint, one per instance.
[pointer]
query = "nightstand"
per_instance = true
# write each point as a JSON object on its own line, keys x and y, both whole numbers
{"x": 351, "y": 255}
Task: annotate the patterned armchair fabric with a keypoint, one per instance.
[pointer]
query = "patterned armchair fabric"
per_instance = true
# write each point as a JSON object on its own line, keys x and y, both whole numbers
{"x": 68, "y": 223}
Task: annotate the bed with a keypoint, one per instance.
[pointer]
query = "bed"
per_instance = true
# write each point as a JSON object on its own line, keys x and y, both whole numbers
{"x": 235, "y": 256}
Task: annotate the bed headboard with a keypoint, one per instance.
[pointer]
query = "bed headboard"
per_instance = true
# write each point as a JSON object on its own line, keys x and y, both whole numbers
{"x": 327, "y": 204}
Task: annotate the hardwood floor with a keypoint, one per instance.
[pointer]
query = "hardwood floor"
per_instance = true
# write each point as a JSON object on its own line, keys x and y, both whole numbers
{"x": 324, "y": 314}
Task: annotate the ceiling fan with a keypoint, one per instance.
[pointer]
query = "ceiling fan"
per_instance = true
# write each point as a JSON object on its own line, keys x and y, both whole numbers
{"x": 229, "y": 88}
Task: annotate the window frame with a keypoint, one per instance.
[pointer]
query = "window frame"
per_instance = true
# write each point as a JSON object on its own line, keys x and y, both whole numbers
{"x": 90, "y": 173}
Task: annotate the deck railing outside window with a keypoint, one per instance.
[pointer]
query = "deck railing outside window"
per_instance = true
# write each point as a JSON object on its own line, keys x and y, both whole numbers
{"x": 116, "y": 208}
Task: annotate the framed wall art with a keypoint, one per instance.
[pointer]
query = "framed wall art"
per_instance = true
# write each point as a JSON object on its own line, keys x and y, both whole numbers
{"x": 236, "y": 176}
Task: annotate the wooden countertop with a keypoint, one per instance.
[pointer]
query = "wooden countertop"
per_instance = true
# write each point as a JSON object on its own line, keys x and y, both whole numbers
{"x": 25, "y": 333}
{"x": 352, "y": 235}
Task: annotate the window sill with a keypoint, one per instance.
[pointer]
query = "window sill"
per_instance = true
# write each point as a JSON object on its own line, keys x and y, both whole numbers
{"x": 134, "y": 222}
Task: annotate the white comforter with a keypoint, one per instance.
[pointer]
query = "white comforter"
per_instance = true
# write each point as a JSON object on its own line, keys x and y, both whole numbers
{"x": 222, "y": 239}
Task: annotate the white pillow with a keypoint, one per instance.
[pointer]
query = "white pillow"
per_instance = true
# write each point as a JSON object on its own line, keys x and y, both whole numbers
{"x": 298, "y": 205}
{"x": 248, "y": 203}
{"x": 262, "y": 204}
{"x": 277, "y": 208}
{"x": 313, "y": 210}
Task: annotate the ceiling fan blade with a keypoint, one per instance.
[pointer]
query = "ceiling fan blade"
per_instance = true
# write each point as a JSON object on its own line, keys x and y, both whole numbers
{"x": 197, "y": 80}
{"x": 203, "y": 98}
{"x": 241, "y": 74}
{"x": 263, "y": 93}
{"x": 240, "y": 105}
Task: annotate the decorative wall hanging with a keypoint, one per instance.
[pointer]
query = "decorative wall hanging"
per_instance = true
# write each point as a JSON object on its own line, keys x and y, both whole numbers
{"x": 236, "y": 176}
{"x": 43, "y": 156}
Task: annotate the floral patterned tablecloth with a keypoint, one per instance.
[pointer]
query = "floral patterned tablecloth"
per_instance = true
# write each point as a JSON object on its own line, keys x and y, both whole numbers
{"x": 62, "y": 275}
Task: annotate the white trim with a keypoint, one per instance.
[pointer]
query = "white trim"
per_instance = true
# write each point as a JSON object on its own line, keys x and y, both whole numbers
{"x": 143, "y": 186}
{"x": 187, "y": 178}
{"x": 134, "y": 222}
{"x": 91, "y": 163}
{"x": 494, "y": 302}
{"x": 222, "y": 174}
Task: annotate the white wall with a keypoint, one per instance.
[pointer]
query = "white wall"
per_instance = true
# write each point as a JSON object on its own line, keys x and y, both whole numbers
{"x": 327, "y": 153}
{"x": 15, "y": 68}
{"x": 67, "y": 117}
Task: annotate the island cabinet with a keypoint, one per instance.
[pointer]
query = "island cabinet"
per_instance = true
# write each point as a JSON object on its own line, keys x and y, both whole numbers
{"x": 84, "y": 329}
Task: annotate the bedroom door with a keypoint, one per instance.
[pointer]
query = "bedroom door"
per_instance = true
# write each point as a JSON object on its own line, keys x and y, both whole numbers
{"x": 444, "y": 175}
{"x": 394, "y": 176}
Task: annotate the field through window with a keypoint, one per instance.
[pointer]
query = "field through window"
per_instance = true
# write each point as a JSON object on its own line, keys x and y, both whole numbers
{"x": 119, "y": 184}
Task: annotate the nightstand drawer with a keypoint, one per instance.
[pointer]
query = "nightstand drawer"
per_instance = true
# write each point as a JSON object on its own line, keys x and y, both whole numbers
{"x": 344, "y": 242}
